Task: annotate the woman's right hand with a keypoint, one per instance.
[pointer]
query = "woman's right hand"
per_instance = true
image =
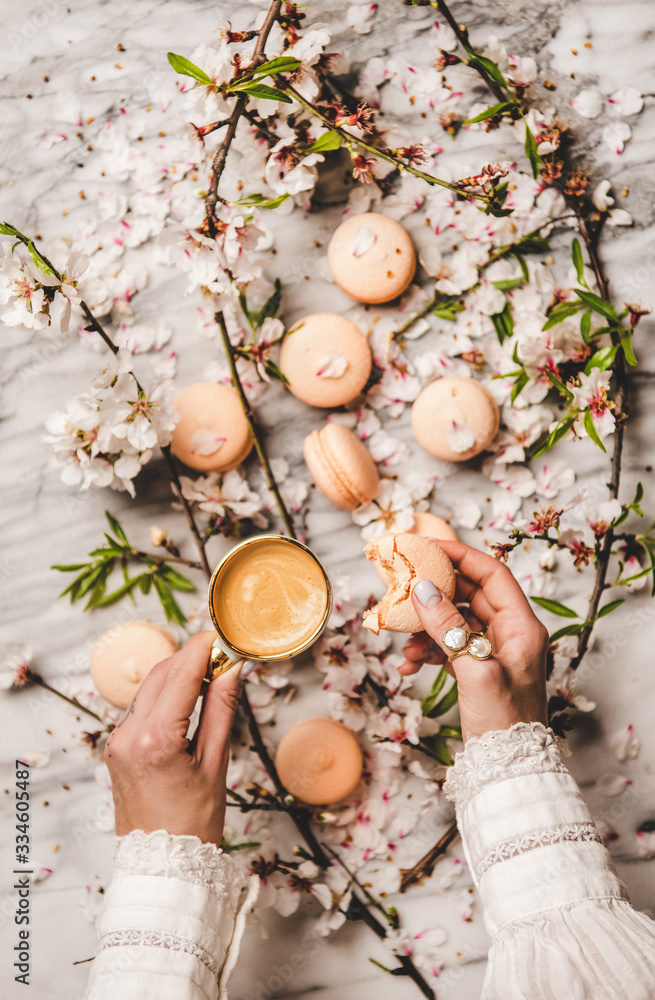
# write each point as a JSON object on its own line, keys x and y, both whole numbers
{"x": 510, "y": 686}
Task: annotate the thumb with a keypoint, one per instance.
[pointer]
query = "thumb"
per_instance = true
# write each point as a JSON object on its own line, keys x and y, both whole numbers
{"x": 219, "y": 708}
{"x": 443, "y": 621}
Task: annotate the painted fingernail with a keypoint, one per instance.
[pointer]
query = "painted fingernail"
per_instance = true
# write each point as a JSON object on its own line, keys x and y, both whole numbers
{"x": 248, "y": 668}
{"x": 427, "y": 593}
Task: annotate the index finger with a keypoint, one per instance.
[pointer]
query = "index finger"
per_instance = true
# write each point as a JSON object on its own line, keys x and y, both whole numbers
{"x": 499, "y": 586}
{"x": 184, "y": 679}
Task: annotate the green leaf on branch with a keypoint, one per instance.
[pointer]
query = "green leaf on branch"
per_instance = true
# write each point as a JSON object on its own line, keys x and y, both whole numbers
{"x": 450, "y": 732}
{"x": 531, "y": 152}
{"x": 275, "y": 372}
{"x": 503, "y": 323}
{"x": 522, "y": 380}
{"x": 261, "y": 201}
{"x": 437, "y": 746}
{"x": 496, "y": 109}
{"x": 559, "y": 385}
{"x": 282, "y": 64}
{"x": 187, "y": 68}
{"x": 324, "y": 143}
{"x": 590, "y": 428}
{"x": 506, "y": 284}
{"x": 172, "y": 610}
{"x": 446, "y": 703}
{"x": 430, "y": 699}
{"x": 567, "y": 630}
{"x": 522, "y": 264}
{"x": 558, "y": 432}
{"x": 628, "y": 350}
{"x": 488, "y": 66}
{"x": 261, "y": 91}
{"x": 585, "y": 325}
{"x": 609, "y": 608}
{"x": 560, "y": 312}
{"x": 270, "y": 307}
{"x": 635, "y": 505}
{"x": 603, "y": 358}
{"x": 555, "y": 607}
{"x": 117, "y": 529}
{"x": 600, "y": 306}
{"x": 532, "y": 244}
{"x": 447, "y": 307}
{"x": 38, "y": 260}
{"x": 578, "y": 262}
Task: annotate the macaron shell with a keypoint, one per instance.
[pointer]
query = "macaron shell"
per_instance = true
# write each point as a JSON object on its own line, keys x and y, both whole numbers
{"x": 342, "y": 466}
{"x": 319, "y": 761}
{"x": 431, "y": 526}
{"x": 427, "y": 526}
{"x": 405, "y": 560}
{"x": 372, "y": 257}
{"x": 216, "y": 409}
{"x": 124, "y": 656}
{"x": 312, "y": 346}
{"x": 453, "y": 403}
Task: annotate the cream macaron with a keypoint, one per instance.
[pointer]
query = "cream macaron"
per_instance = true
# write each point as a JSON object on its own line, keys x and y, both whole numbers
{"x": 124, "y": 656}
{"x": 342, "y": 467}
{"x": 212, "y": 434}
{"x": 455, "y": 418}
{"x": 405, "y": 560}
{"x": 319, "y": 761}
{"x": 372, "y": 258}
{"x": 326, "y": 360}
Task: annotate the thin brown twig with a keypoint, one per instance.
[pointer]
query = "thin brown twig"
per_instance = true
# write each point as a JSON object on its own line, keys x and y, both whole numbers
{"x": 220, "y": 156}
{"x": 381, "y": 154}
{"x": 424, "y": 868}
{"x": 186, "y": 507}
{"x": 254, "y": 428}
{"x": 155, "y": 557}
{"x": 38, "y": 679}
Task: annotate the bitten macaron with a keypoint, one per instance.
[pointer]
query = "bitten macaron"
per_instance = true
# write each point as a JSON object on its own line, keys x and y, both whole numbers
{"x": 404, "y": 560}
{"x": 319, "y": 761}
{"x": 212, "y": 434}
{"x": 124, "y": 656}
{"x": 326, "y": 360}
{"x": 455, "y": 418}
{"x": 371, "y": 257}
{"x": 341, "y": 465}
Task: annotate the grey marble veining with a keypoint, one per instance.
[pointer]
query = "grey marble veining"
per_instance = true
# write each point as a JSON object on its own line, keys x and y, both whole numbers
{"x": 45, "y": 522}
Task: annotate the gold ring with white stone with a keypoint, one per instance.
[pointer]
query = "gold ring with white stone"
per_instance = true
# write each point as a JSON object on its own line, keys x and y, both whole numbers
{"x": 461, "y": 641}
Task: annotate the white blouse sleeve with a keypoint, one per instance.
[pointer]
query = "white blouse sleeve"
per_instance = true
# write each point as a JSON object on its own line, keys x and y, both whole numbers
{"x": 173, "y": 920}
{"x": 559, "y": 918}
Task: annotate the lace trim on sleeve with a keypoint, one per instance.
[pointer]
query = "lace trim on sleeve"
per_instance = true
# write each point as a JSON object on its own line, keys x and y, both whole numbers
{"x": 581, "y": 832}
{"x": 186, "y": 858}
{"x": 525, "y": 748}
{"x": 158, "y": 939}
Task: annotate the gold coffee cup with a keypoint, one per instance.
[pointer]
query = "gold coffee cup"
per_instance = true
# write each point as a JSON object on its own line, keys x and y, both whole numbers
{"x": 269, "y": 599}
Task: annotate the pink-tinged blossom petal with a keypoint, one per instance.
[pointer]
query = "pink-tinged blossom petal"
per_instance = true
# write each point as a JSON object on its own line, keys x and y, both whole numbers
{"x": 611, "y": 785}
{"x": 625, "y": 744}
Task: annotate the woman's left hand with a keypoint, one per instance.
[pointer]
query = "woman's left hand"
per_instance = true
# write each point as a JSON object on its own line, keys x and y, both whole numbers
{"x": 160, "y": 782}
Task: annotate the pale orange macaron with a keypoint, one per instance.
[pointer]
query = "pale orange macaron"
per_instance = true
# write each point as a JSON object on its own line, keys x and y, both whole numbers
{"x": 404, "y": 560}
{"x": 432, "y": 526}
{"x": 319, "y": 761}
{"x": 455, "y": 418}
{"x": 123, "y": 657}
{"x": 212, "y": 434}
{"x": 326, "y": 360}
{"x": 342, "y": 467}
{"x": 372, "y": 258}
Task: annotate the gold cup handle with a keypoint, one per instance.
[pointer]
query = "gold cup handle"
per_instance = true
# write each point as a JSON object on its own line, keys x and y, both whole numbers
{"x": 220, "y": 662}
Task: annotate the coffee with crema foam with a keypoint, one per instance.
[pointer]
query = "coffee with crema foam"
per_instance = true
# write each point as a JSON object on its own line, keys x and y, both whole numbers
{"x": 270, "y": 598}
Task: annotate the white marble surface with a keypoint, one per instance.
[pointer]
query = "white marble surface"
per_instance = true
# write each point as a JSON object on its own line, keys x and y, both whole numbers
{"x": 44, "y": 522}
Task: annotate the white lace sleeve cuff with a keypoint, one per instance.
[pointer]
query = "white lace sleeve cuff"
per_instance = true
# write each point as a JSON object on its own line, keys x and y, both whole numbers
{"x": 527, "y": 832}
{"x": 173, "y": 920}
{"x": 560, "y": 922}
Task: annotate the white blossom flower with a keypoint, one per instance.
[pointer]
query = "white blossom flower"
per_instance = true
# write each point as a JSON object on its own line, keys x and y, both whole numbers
{"x": 563, "y": 683}
{"x": 591, "y": 394}
{"x": 625, "y": 743}
{"x": 550, "y": 479}
{"x": 601, "y": 197}
{"x": 611, "y": 785}
{"x": 224, "y": 494}
{"x": 15, "y": 662}
{"x": 615, "y": 135}
{"x": 392, "y": 510}
{"x": 588, "y": 103}
{"x": 626, "y": 101}
{"x": 360, "y": 17}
